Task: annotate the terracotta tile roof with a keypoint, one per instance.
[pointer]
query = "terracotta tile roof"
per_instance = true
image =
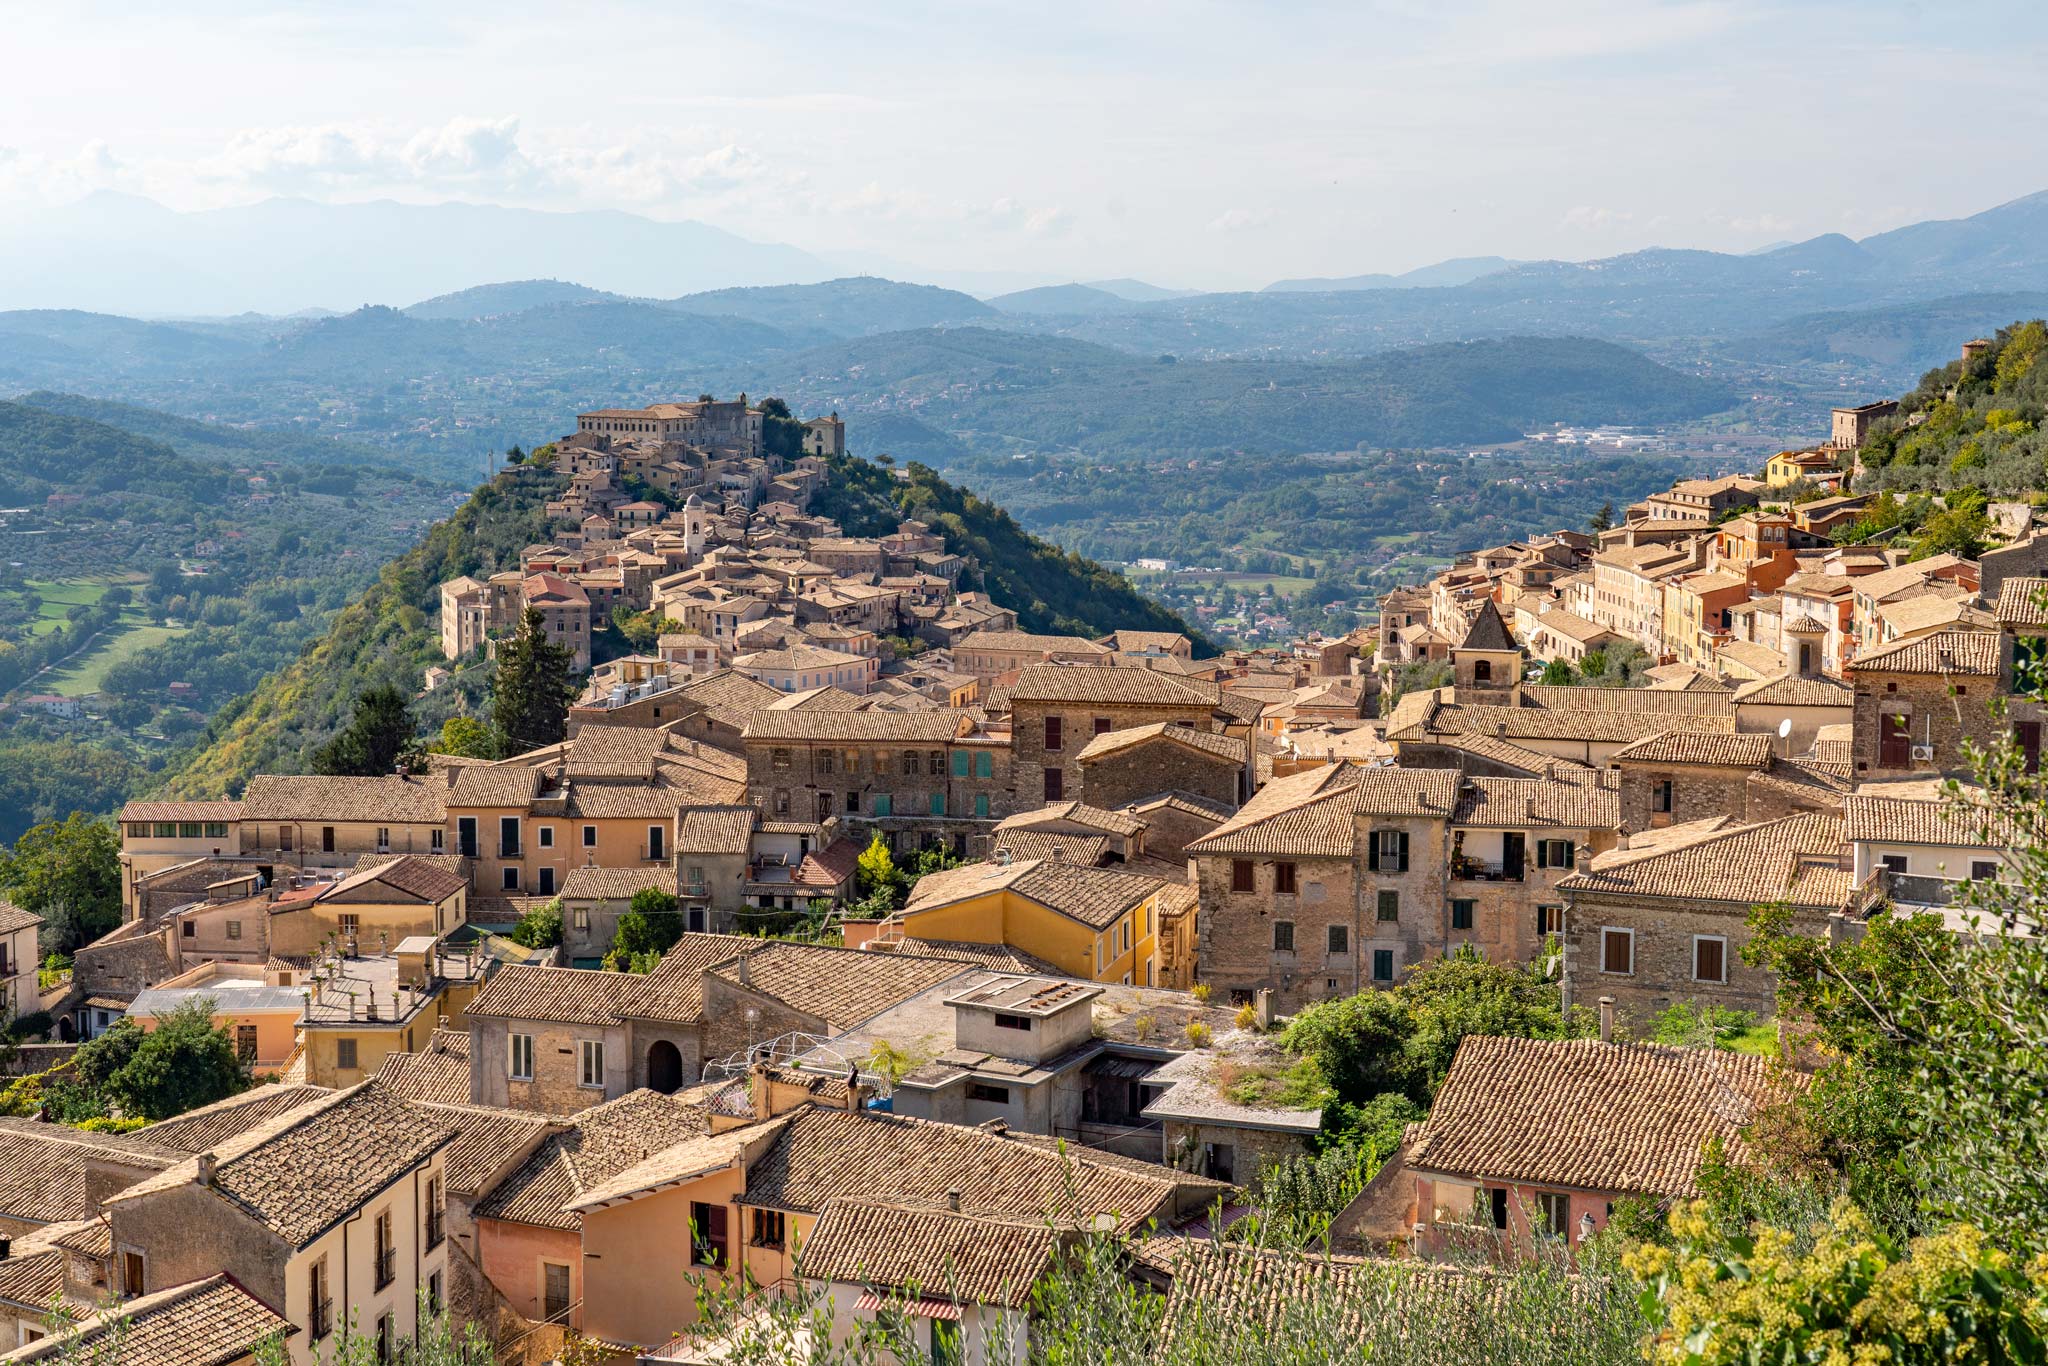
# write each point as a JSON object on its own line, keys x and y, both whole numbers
{"x": 486, "y": 1140}
{"x": 915, "y": 727}
{"x": 1488, "y": 631}
{"x": 1623, "y": 1117}
{"x": 511, "y": 783}
{"x": 597, "y": 1145}
{"x": 1026, "y": 641}
{"x": 1688, "y": 747}
{"x": 1576, "y": 799}
{"x": 1782, "y": 860}
{"x": 1075, "y": 813}
{"x": 1249, "y": 1292}
{"x": 716, "y": 830}
{"x": 990, "y": 957}
{"x": 1109, "y": 687}
{"x": 181, "y": 811}
{"x": 674, "y": 991}
{"x": 615, "y": 884}
{"x": 32, "y": 1278}
{"x": 398, "y": 801}
{"x": 614, "y": 752}
{"x": 529, "y": 991}
{"x": 408, "y": 875}
{"x": 1595, "y": 724}
{"x": 1555, "y": 698}
{"x": 214, "y": 1322}
{"x": 930, "y": 1252}
{"x": 1970, "y": 653}
{"x": 1885, "y": 582}
{"x": 1085, "y": 850}
{"x": 1899, "y": 820}
{"x": 1423, "y": 792}
{"x": 13, "y": 919}
{"x": 1096, "y": 897}
{"x": 438, "y": 1073}
{"x": 825, "y": 1155}
{"x": 1239, "y": 707}
{"x": 2020, "y": 602}
{"x": 209, "y": 1126}
{"x": 1147, "y": 640}
{"x": 1793, "y": 690}
{"x": 1310, "y": 813}
{"x": 1228, "y": 748}
{"x": 43, "y": 1178}
{"x": 842, "y": 987}
{"x": 684, "y": 1161}
{"x": 1502, "y": 752}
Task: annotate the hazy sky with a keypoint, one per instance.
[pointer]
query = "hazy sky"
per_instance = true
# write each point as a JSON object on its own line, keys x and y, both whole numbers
{"x": 1191, "y": 144}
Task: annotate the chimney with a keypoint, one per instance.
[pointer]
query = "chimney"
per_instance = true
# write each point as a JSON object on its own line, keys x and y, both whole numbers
{"x": 1606, "y": 1019}
{"x": 953, "y": 1200}
{"x": 207, "y": 1163}
{"x": 1582, "y": 859}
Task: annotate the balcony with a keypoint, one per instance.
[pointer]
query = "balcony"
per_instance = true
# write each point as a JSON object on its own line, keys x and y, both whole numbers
{"x": 320, "y": 1321}
{"x": 387, "y": 1266}
{"x": 509, "y": 851}
{"x": 1478, "y": 870}
{"x": 435, "y": 1230}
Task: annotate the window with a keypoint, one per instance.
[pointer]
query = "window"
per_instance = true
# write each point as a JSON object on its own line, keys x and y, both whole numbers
{"x": 326, "y": 839}
{"x": 434, "y": 1296}
{"x": 769, "y": 1228}
{"x": 2027, "y": 735}
{"x": 1983, "y": 870}
{"x": 1482, "y": 671}
{"x": 432, "y": 1237}
{"x": 1219, "y": 1161}
{"x": 545, "y": 836}
{"x": 938, "y": 804}
{"x": 547, "y": 882}
{"x": 166, "y": 830}
{"x": 1054, "y": 736}
{"x": 778, "y": 759}
{"x": 383, "y": 839}
{"x": 1461, "y": 914}
{"x": 245, "y": 1042}
{"x": 961, "y": 760}
{"x": 1549, "y": 920}
{"x": 707, "y": 1234}
{"x": 1055, "y": 784}
{"x": 824, "y": 763}
{"x": 509, "y": 877}
{"x": 386, "y": 1253}
{"x": 1554, "y": 1208}
{"x": 1283, "y": 878}
{"x": 319, "y": 1308}
{"x": 885, "y": 804}
{"x": 1103, "y": 725}
{"x": 508, "y": 837}
{"x": 284, "y": 839}
{"x": 948, "y": 1343}
{"x": 910, "y": 763}
{"x": 994, "y": 1095}
{"x": 1007, "y": 1021}
{"x": 554, "y": 1291}
{"x": 438, "y": 839}
{"x": 853, "y": 803}
{"x": 1894, "y": 863}
{"x": 590, "y": 1063}
{"x": 590, "y": 837}
{"x": 1339, "y": 939}
{"x": 935, "y": 763}
{"x": 1894, "y": 740}
{"x": 1660, "y": 796}
{"x": 189, "y": 929}
{"x": 1388, "y": 851}
{"x": 1498, "y": 1199}
{"x": 1389, "y": 906}
{"x": 1618, "y": 951}
{"x": 1553, "y": 853}
{"x": 1382, "y": 965}
{"x": 519, "y": 1060}
{"x": 984, "y": 764}
{"x": 345, "y": 1054}
{"x": 132, "y": 1278}
{"x": 1283, "y": 936}
{"x": 981, "y": 806}
{"x": 1709, "y": 958}
{"x": 1242, "y": 876}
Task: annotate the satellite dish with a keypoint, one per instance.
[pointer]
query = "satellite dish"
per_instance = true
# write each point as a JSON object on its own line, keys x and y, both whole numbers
{"x": 1785, "y": 728}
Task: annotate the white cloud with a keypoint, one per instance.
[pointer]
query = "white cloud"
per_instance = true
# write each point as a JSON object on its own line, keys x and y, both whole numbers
{"x": 1238, "y": 220}
{"x": 1589, "y": 218}
{"x": 33, "y": 176}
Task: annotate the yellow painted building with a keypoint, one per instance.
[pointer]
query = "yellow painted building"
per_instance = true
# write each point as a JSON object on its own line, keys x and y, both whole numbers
{"x": 360, "y": 1010}
{"x": 1100, "y": 924}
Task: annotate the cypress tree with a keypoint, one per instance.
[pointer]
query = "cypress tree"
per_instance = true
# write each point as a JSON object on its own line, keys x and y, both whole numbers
{"x": 532, "y": 690}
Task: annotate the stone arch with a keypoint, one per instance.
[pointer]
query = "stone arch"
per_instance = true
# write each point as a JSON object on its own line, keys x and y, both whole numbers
{"x": 664, "y": 1067}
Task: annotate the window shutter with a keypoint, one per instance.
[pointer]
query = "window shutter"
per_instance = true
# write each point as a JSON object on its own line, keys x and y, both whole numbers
{"x": 1571, "y": 854}
{"x": 1542, "y": 853}
{"x": 1404, "y": 851}
{"x": 1372, "y": 851}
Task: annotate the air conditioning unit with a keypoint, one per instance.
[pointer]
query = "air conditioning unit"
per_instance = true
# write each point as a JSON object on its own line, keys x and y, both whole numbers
{"x": 1923, "y": 754}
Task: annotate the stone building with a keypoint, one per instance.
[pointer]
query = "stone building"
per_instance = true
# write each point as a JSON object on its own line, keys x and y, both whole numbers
{"x": 1917, "y": 701}
{"x": 1122, "y": 766}
{"x": 1513, "y": 840}
{"x": 1679, "y": 776}
{"x": 1661, "y": 918}
{"x": 1057, "y": 711}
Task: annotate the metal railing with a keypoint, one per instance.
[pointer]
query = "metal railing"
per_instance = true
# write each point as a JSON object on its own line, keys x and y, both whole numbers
{"x": 1477, "y": 870}
{"x": 387, "y": 1266}
{"x": 435, "y": 1230}
{"x": 320, "y": 1321}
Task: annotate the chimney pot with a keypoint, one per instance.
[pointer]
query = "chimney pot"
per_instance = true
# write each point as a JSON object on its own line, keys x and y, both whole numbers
{"x": 208, "y": 1163}
{"x": 953, "y": 1200}
{"x": 1606, "y": 1019}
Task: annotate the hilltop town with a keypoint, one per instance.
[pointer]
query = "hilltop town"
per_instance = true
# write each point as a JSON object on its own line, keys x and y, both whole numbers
{"x": 853, "y": 943}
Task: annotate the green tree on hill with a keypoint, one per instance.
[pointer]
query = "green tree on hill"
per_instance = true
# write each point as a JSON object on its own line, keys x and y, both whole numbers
{"x": 69, "y": 873}
{"x": 534, "y": 685}
{"x": 369, "y": 745}
{"x": 466, "y": 736}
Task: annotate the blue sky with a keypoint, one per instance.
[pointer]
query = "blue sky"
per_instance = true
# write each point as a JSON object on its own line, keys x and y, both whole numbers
{"x": 1193, "y": 144}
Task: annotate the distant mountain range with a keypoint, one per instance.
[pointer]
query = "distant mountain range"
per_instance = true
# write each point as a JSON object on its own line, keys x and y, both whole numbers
{"x": 1458, "y": 271}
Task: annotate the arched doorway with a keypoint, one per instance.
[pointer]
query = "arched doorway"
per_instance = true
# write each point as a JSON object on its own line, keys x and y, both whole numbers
{"x": 664, "y": 1067}
{"x": 65, "y": 1032}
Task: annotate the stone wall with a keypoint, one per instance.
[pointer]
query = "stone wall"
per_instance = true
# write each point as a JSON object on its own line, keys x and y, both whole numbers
{"x": 1238, "y": 954}
{"x": 1158, "y": 766}
{"x": 1939, "y": 713}
{"x": 128, "y": 960}
{"x": 1698, "y": 791}
{"x": 1253, "y": 1150}
{"x": 555, "y": 1088}
{"x": 728, "y": 1031}
{"x": 1079, "y": 723}
{"x": 1663, "y": 960}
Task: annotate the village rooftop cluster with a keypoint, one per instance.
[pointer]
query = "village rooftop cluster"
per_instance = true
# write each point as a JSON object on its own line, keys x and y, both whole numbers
{"x": 1160, "y": 858}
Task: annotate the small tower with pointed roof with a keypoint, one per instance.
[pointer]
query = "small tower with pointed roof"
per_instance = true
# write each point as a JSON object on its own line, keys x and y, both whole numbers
{"x": 1487, "y": 661}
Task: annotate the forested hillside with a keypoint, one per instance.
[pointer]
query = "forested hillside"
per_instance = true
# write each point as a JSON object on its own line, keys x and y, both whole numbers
{"x": 389, "y": 635}
{"x": 1052, "y": 590}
